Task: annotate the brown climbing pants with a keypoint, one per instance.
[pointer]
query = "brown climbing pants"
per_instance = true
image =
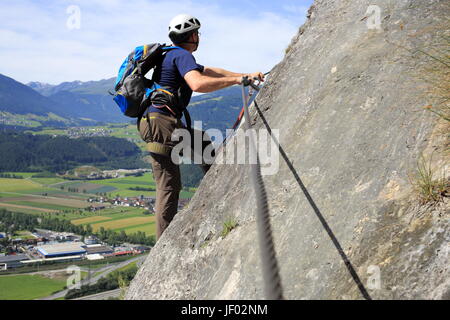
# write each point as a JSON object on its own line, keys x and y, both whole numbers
{"x": 156, "y": 129}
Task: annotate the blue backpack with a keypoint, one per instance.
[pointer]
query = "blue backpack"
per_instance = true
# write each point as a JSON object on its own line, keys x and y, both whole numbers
{"x": 132, "y": 90}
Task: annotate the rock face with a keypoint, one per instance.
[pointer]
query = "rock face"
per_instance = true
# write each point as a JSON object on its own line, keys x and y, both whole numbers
{"x": 349, "y": 110}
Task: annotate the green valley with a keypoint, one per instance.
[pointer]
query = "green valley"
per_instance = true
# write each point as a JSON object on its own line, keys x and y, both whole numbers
{"x": 69, "y": 200}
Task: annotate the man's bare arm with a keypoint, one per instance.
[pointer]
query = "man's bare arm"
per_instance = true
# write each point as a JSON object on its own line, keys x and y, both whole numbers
{"x": 199, "y": 82}
{"x": 212, "y": 79}
{"x": 218, "y": 72}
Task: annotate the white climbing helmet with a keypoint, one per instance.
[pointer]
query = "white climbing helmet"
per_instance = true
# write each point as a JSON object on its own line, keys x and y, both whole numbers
{"x": 181, "y": 25}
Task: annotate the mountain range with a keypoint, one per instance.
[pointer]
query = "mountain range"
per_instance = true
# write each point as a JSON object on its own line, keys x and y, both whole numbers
{"x": 89, "y": 103}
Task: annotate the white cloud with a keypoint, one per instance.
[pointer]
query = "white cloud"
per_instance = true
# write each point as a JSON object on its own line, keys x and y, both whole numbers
{"x": 39, "y": 46}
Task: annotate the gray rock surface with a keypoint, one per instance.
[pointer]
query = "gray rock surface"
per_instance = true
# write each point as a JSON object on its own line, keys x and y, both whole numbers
{"x": 349, "y": 112}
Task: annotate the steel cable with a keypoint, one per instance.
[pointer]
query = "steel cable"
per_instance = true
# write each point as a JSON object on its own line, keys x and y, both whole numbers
{"x": 272, "y": 281}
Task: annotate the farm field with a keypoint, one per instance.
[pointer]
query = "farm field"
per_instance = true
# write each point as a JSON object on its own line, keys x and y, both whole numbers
{"x": 28, "y": 196}
{"x": 41, "y": 181}
{"x": 121, "y": 186}
{"x": 84, "y": 187}
{"x": 148, "y": 229}
{"x": 23, "y": 235}
{"x": 24, "y": 209}
{"x": 33, "y": 286}
{"x": 15, "y": 185}
{"x": 58, "y": 185}
{"x": 67, "y": 199}
{"x": 28, "y": 287}
{"x": 130, "y": 220}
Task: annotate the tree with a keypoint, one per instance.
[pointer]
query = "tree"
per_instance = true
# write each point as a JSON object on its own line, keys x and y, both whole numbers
{"x": 89, "y": 229}
{"x": 123, "y": 236}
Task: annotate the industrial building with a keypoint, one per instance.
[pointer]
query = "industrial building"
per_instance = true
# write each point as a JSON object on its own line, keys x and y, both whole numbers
{"x": 61, "y": 249}
{"x": 141, "y": 249}
{"x": 98, "y": 249}
{"x": 12, "y": 261}
{"x": 95, "y": 256}
{"x": 91, "y": 240}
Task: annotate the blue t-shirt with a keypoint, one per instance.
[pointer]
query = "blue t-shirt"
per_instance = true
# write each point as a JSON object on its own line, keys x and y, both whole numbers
{"x": 176, "y": 63}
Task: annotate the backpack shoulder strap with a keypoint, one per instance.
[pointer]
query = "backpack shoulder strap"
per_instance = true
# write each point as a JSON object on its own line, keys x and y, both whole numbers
{"x": 164, "y": 47}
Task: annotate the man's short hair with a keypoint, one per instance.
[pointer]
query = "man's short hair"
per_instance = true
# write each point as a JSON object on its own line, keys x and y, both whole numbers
{"x": 181, "y": 38}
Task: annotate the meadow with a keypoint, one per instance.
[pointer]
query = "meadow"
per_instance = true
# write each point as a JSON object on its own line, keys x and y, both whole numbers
{"x": 33, "y": 286}
{"x": 28, "y": 287}
{"x": 67, "y": 199}
{"x": 127, "y": 219}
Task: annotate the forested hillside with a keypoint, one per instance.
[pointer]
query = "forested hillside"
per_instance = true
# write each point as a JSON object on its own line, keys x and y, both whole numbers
{"x": 218, "y": 110}
{"x": 18, "y": 98}
{"x": 91, "y": 100}
{"x": 26, "y": 152}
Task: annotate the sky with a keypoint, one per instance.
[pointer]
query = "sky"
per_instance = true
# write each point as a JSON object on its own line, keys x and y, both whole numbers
{"x": 66, "y": 40}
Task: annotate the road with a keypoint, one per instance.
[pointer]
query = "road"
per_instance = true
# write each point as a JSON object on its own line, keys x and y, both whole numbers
{"x": 106, "y": 270}
{"x": 102, "y": 295}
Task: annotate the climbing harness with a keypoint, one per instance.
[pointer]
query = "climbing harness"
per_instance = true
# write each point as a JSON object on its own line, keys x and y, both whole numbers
{"x": 272, "y": 281}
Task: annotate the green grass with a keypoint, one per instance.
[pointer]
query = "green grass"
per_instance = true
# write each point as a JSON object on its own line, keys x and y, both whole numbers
{"x": 5, "y": 195}
{"x": 42, "y": 205}
{"x": 23, "y": 235}
{"x": 14, "y": 188}
{"x": 121, "y": 216}
{"x": 90, "y": 188}
{"x": 48, "y": 132}
{"x": 133, "y": 182}
{"x": 28, "y": 287}
{"x": 113, "y": 213}
{"x": 22, "y": 174}
{"x": 124, "y": 211}
{"x": 186, "y": 195}
{"x": 117, "y": 214}
{"x": 47, "y": 181}
{"x": 66, "y": 194}
{"x": 37, "y": 191}
{"x": 115, "y": 217}
{"x": 27, "y": 120}
{"x": 149, "y": 229}
{"x": 73, "y": 214}
{"x": 15, "y": 185}
{"x": 23, "y": 210}
{"x": 228, "y": 225}
{"x": 111, "y": 186}
{"x": 128, "y": 266}
{"x": 430, "y": 185}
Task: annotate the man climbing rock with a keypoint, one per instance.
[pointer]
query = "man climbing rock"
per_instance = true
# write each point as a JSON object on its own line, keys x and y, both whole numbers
{"x": 179, "y": 75}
